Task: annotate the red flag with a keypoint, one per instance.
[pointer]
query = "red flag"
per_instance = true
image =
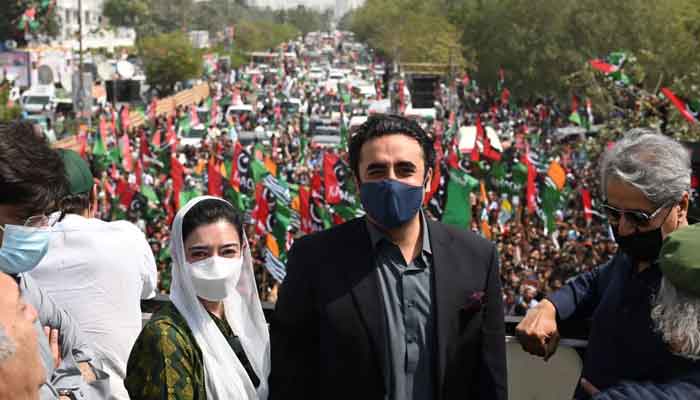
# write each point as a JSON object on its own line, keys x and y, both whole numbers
{"x": 125, "y": 120}
{"x": 574, "y": 103}
{"x": 114, "y": 124}
{"x": 434, "y": 182}
{"x": 316, "y": 187}
{"x": 176, "y": 174}
{"x": 680, "y": 105}
{"x": 138, "y": 171}
{"x": 214, "y": 110}
{"x": 152, "y": 109}
{"x": 465, "y": 79}
{"x": 261, "y": 211}
{"x": 127, "y": 160}
{"x": 214, "y": 178}
{"x": 305, "y": 209}
{"x": 531, "y": 190}
{"x": 194, "y": 117}
{"x": 144, "y": 150}
{"x": 156, "y": 139}
{"x": 479, "y": 137}
{"x": 402, "y": 95}
{"x": 114, "y": 173}
{"x": 103, "y": 130}
{"x": 505, "y": 96}
{"x": 82, "y": 138}
{"x": 603, "y": 67}
{"x": 235, "y": 178}
{"x": 330, "y": 179}
{"x": 587, "y": 205}
{"x": 124, "y": 192}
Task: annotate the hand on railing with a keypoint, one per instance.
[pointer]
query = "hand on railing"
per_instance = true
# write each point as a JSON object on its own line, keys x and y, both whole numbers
{"x": 537, "y": 332}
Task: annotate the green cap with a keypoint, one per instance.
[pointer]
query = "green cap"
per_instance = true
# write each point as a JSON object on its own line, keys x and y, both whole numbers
{"x": 78, "y": 172}
{"x": 680, "y": 259}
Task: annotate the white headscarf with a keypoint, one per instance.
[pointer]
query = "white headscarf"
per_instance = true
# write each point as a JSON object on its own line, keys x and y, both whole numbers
{"x": 224, "y": 374}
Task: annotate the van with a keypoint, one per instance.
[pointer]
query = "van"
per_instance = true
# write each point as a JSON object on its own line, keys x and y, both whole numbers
{"x": 38, "y": 99}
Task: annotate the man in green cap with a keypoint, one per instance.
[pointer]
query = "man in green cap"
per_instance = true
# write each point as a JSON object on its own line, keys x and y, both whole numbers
{"x": 675, "y": 314}
{"x": 98, "y": 271}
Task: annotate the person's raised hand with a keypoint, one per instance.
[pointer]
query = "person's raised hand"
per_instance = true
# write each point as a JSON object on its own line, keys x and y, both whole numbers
{"x": 537, "y": 332}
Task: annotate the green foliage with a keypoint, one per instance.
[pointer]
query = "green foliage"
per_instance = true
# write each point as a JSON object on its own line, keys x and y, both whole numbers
{"x": 12, "y": 11}
{"x": 7, "y": 113}
{"x": 408, "y": 30}
{"x": 262, "y": 35}
{"x": 537, "y": 40}
{"x": 305, "y": 19}
{"x": 130, "y": 13}
{"x": 169, "y": 58}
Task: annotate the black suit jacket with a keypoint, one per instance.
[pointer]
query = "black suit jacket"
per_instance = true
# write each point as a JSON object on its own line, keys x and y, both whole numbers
{"x": 328, "y": 328}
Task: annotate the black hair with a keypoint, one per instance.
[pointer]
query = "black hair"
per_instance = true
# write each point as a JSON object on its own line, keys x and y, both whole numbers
{"x": 378, "y": 125}
{"x": 210, "y": 211}
{"x": 32, "y": 175}
{"x": 76, "y": 203}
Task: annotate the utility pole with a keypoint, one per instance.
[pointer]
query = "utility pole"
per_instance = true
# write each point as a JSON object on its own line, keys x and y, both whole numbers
{"x": 81, "y": 87}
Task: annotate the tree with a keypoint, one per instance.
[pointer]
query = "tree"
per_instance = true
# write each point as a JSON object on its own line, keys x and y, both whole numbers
{"x": 14, "y": 24}
{"x": 7, "y": 112}
{"x": 129, "y": 13}
{"x": 408, "y": 31}
{"x": 169, "y": 58}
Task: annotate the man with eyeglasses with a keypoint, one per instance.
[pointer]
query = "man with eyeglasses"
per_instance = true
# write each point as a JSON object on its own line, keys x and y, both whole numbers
{"x": 32, "y": 179}
{"x": 645, "y": 181}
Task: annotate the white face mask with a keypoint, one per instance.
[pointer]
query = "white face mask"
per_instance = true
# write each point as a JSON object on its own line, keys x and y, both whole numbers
{"x": 214, "y": 277}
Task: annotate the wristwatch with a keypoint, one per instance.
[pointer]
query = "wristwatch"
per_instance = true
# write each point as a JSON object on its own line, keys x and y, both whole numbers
{"x": 67, "y": 393}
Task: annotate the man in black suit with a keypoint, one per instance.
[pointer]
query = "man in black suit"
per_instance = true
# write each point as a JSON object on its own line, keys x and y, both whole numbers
{"x": 391, "y": 306}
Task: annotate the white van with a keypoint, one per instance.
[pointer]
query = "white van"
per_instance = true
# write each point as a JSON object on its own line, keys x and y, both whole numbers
{"x": 38, "y": 99}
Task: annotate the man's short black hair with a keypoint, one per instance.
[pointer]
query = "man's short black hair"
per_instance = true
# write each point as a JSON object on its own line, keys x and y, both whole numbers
{"x": 388, "y": 124}
{"x": 31, "y": 173}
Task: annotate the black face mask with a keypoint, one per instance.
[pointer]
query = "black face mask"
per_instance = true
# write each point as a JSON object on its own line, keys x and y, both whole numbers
{"x": 640, "y": 246}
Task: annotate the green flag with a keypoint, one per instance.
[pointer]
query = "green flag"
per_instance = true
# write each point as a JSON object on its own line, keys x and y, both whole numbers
{"x": 575, "y": 117}
{"x": 187, "y": 195}
{"x": 343, "y": 134}
{"x": 185, "y": 124}
{"x": 550, "y": 203}
{"x": 283, "y": 217}
{"x": 257, "y": 170}
{"x": 458, "y": 209}
{"x": 240, "y": 201}
{"x": 98, "y": 149}
{"x": 149, "y": 193}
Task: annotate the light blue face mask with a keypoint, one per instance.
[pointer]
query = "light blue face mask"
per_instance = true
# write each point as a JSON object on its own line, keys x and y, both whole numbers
{"x": 22, "y": 248}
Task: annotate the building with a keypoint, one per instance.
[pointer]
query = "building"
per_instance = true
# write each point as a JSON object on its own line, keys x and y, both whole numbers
{"x": 67, "y": 13}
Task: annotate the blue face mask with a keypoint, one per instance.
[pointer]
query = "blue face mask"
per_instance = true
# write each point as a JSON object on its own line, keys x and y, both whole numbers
{"x": 22, "y": 248}
{"x": 391, "y": 203}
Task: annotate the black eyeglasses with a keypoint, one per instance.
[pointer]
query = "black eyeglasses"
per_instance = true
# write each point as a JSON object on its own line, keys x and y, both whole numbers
{"x": 638, "y": 218}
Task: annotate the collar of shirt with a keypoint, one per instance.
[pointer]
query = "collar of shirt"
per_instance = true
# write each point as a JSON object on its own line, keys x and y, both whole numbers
{"x": 377, "y": 236}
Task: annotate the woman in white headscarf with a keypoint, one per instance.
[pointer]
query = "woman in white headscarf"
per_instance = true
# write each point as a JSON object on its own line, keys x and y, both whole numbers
{"x": 212, "y": 342}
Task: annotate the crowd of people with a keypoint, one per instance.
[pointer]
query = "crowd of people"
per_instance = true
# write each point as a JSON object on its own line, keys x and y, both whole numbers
{"x": 537, "y": 255}
{"x": 262, "y": 206}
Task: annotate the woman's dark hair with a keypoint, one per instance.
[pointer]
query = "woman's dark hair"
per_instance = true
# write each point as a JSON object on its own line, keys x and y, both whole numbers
{"x": 210, "y": 211}
{"x": 387, "y": 124}
{"x": 32, "y": 175}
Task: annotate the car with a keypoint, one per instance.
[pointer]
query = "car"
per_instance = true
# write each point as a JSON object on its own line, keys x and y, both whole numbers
{"x": 292, "y": 105}
{"x": 316, "y": 74}
{"x": 325, "y": 136}
{"x": 236, "y": 110}
{"x": 194, "y": 136}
